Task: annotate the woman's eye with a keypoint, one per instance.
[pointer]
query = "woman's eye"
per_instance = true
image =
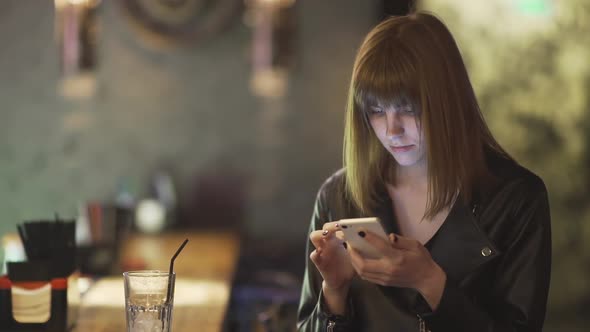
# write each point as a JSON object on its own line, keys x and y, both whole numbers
{"x": 376, "y": 110}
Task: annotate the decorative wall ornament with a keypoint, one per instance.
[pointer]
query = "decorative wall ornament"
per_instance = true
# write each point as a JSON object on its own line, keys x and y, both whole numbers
{"x": 76, "y": 31}
{"x": 273, "y": 24}
{"x": 172, "y": 23}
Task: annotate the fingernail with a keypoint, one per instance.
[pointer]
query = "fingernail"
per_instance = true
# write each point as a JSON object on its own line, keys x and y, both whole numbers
{"x": 344, "y": 245}
{"x": 362, "y": 234}
{"x": 325, "y": 232}
{"x": 337, "y": 225}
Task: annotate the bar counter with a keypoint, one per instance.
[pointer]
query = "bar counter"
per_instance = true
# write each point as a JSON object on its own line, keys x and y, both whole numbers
{"x": 204, "y": 273}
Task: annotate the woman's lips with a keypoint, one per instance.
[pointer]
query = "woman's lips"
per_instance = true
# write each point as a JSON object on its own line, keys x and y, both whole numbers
{"x": 403, "y": 148}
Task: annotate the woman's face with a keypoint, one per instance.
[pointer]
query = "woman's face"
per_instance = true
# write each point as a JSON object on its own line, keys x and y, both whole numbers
{"x": 397, "y": 129}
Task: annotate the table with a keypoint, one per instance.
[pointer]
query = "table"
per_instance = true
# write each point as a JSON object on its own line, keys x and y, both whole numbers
{"x": 204, "y": 272}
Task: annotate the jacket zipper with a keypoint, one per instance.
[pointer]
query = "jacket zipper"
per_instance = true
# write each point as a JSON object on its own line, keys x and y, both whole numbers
{"x": 330, "y": 327}
{"x": 422, "y": 325}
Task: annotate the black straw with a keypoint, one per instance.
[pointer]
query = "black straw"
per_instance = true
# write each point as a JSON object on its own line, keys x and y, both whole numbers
{"x": 169, "y": 294}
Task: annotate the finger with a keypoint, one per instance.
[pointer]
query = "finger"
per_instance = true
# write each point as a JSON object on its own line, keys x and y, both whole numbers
{"x": 392, "y": 238}
{"x": 363, "y": 264}
{"x": 383, "y": 246}
{"x": 327, "y": 231}
{"x": 405, "y": 243}
{"x": 355, "y": 257}
{"x": 359, "y": 264}
{"x": 332, "y": 230}
{"x": 316, "y": 258}
{"x": 331, "y": 227}
{"x": 369, "y": 265}
{"x": 374, "y": 276}
{"x": 372, "y": 270}
{"x": 326, "y": 239}
{"x": 319, "y": 260}
{"x": 378, "y": 281}
{"x": 316, "y": 238}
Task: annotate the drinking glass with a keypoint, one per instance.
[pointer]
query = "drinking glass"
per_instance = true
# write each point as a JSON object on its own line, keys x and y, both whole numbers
{"x": 147, "y": 305}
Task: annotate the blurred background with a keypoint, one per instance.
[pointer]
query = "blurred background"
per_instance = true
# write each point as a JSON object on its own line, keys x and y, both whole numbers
{"x": 228, "y": 114}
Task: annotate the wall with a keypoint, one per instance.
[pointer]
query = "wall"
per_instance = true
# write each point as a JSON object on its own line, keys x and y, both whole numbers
{"x": 529, "y": 65}
{"x": 188, "y": 109}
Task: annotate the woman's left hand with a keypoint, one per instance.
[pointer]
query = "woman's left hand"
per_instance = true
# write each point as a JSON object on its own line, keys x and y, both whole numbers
{"x": 405, "y": 263}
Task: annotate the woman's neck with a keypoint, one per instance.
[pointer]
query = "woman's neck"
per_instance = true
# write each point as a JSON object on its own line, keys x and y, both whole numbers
{"x": 415, "y": 176}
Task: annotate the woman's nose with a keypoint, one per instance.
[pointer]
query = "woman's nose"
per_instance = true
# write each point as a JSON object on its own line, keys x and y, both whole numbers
{"x": 394, "y": 125}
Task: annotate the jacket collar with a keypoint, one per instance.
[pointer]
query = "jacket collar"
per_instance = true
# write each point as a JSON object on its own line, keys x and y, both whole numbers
{"x": 459, "y": 246}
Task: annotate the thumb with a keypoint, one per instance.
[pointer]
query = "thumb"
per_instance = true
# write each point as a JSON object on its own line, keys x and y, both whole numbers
{"x": 402, "y": 242}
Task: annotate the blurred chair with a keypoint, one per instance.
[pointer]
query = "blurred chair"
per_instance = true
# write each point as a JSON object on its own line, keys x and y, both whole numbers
{"x": 100, "y": 228}
{"x": 266, "y": 290}
{"x": 216, "y": 198}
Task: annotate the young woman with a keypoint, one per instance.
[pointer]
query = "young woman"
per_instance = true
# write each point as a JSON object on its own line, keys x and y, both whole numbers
{"x": 469, "y": 229}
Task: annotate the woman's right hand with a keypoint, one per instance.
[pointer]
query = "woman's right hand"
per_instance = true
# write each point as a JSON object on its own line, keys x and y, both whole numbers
{"x": 331, "y": 258}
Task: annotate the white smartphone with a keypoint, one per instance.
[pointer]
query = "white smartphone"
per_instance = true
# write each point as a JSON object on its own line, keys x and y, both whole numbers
{"x": 354, "y": 230}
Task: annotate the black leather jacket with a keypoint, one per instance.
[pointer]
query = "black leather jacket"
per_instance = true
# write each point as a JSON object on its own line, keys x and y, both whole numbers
{"x": 496, "y": 252}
